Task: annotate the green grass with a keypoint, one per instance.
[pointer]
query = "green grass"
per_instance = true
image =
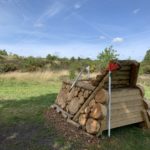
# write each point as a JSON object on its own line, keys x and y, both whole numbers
{"x": 22, "y": 125}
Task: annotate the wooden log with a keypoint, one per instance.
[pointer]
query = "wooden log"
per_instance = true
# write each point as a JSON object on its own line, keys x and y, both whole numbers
{"x": 82, "y": 119}
{"x": 87, "y": 110}
{"x": 91, "y": 97}
{"x": 92, "y": 126}
{"x": 81, "y": 100}
{"x": 92, "y": 103}
{"x": 98, "y": 111}
{"x": 81, "y": 84}
{"x": 73, "y": 106}
{"x": 86, "y": 94}
{"x": 101, "y": 96}
{"x": 80, "y": 94}
{"x": 62, "y": 99}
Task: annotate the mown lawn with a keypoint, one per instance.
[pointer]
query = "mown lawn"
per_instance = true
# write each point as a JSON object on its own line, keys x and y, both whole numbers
{"x": 22, "y": 123}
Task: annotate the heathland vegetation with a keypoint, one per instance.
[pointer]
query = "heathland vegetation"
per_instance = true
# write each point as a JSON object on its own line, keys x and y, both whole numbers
{"x": 29, "y": 85}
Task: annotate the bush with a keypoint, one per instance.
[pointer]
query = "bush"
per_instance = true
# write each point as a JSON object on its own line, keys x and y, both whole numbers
{"x": 72, "y": 73}
{"x": 7, "y": 68}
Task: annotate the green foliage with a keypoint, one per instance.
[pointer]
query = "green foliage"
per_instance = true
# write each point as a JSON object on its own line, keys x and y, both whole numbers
{"x": 147, "y": 57}
{"x": 106, "y": 55}
{"x": 51, "y": 58}
{"x": 145, "y": 65}
{"x": 3, "y": 52}
{"x": 72, "y": 73}
{"x": 7, "y": 68}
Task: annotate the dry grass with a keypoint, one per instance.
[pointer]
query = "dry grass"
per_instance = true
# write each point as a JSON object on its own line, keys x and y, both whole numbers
{"x": 38, "y": 76}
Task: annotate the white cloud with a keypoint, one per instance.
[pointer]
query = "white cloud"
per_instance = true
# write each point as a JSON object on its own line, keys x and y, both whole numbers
{"x": 102, "y": 37}
{"x": 77, "y": 6}
{"x": 135, "y": 11}
{"x": 117, "y": 40}
{"x": 53, "y": 10}
{"x": 39, "y": 25}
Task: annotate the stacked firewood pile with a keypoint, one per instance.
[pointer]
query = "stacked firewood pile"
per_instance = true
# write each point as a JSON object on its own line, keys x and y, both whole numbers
{"x": 71, "y": 100}
{"x": 90, "y": 118}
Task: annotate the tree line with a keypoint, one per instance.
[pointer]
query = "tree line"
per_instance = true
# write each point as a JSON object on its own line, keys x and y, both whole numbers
{"x": 14, "y": 62}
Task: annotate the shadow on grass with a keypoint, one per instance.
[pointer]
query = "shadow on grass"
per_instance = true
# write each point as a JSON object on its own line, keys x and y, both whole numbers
{"x": 22, "y": 127}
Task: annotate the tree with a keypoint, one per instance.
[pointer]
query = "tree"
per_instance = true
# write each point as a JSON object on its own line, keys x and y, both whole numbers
{"x": 106, "y": 55}
{"x": 147, "y": 57}
{"x": 145, "y": 66}
{"x": 51, "y": 57}
{"x": 3, "y": 52}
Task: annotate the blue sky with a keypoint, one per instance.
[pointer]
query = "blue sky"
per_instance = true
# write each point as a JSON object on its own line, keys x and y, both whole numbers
{"x": 75, "y": 27}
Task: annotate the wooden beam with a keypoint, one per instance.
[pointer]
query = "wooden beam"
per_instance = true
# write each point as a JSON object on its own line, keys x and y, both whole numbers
{"x": 60, "y": 110}
{"x": 81, "y": 84}
{"x": 73, "y": 123}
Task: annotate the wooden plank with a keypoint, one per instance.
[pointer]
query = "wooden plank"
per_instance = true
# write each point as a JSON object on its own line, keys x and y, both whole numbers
{"x": 121, "y": 73}
{"x": 73, "y": 123}
{"x": 115, "y": 82}
{"x": 126, "y": 99}
{"x": 125, "y": 92}
{"x": 146, "y": 119}
{"x": 129, "y": 110}
{"x": 125, "y": 106}
{"x": 125, "y": 116}
{"x": 134, "y": 74}
{"x": 91, "y": 97}
{"x": 58, "y": 109}
{"x": 125, "y": 68}
{"x": 120, "y": 77}
{"x": 126, "y": 122}
{"x": 84, "y": 85}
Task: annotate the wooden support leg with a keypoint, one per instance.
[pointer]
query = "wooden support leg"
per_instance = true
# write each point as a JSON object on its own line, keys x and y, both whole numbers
{"x": 146, "y": 119}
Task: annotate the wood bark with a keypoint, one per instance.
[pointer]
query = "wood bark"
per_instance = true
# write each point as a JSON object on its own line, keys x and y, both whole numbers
{"x": 101, "y": 96}
{"x": 92, "y": 126}
{"x": 82, "y": 119}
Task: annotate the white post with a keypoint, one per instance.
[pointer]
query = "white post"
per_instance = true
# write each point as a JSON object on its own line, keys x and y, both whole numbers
{"x": 88, "y": 72}
{"x": 109, "y": 106}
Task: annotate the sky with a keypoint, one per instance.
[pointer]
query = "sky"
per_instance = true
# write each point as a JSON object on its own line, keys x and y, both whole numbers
{"x": 75, "y": 27}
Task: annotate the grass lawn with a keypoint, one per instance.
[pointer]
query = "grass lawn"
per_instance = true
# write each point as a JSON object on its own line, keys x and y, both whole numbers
{"x": 22, "y": 125}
